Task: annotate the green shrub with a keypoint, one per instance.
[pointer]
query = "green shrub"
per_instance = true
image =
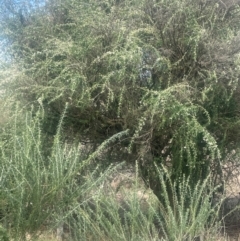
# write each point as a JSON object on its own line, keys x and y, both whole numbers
{"x": 165, "y": 70}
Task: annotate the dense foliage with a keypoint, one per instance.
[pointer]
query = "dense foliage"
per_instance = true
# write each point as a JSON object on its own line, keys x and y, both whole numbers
{"x": 165, "y": 71}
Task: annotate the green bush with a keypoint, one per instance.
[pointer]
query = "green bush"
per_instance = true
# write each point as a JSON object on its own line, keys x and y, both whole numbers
{"x": 167, "y": 71}
{"x": 149, "y": 80}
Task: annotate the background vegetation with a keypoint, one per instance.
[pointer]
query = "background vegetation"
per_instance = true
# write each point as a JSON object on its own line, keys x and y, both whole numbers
{"x": 152, "y": 82}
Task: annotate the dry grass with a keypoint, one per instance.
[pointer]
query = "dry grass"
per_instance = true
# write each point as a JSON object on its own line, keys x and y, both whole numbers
{"x": 45, "y": 236}
{"x": 231, "y": 170}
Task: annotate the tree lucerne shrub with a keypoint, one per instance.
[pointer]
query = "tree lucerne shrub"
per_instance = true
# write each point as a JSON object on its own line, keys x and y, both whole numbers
{"x": 165, "y": 70}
